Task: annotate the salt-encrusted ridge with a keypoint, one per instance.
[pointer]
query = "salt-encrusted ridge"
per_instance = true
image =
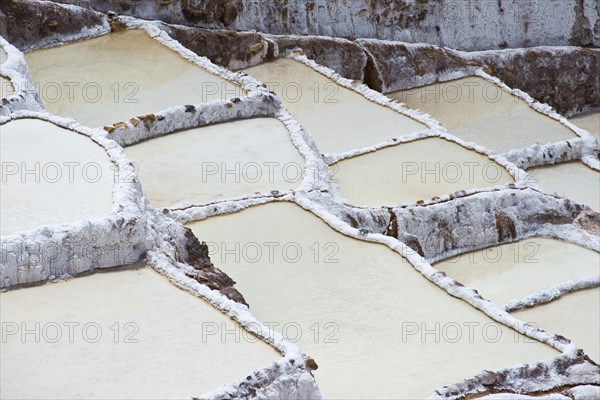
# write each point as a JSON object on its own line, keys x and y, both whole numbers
{"x": 552, "y": 293}
{"x": 155, "y": 236}
{"x": 562, "y": 371}
{"x": 122, "y": 229}
{"x": 25, "y": 96}
{"x": 257, "y": 101}
{"x": 552, "y": 153}
{"x": 318, "y": 195}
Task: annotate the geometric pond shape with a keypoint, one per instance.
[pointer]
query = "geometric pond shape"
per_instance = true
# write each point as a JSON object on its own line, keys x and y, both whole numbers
{"x": 339, "y": 119}
{"x": 118, "y": 76}
{"x": 359, "y": 309}
{"x": 126, "y": 334}
{"x": 218, "y": 162}
{"x": 477, "y": 110}
{"x": 417, "y": 170}
{"x": 514, "y": 270}
{"x": 51, "y": 176}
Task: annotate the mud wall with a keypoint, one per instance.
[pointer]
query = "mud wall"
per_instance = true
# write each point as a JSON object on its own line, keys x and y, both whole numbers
{"x": 459, "y": 24}
{"x": 564, "y": 77}
{"x": 567, "y": 79}
{"x": 397, "y": 66}
{"x": 238, "y": 50}
{"x": 231, "y": 49}
{"x": 30, "y": 24}
{"x": 343, "y": 56}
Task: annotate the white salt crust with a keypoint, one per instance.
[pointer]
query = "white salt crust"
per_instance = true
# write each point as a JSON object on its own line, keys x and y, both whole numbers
{"x": 552, "y": 293}
{"x": 133, "y": 223}
{"x": 15, "y": 69}
{"x": 310, "y": 195}
{"x": 134, "y": 228}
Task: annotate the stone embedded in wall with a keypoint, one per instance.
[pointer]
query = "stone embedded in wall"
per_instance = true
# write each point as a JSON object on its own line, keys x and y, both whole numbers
{"x": 211, "y": 11}
{"x": 506, "y": 227}
{"x": 589, "y": 221}
{"x": 205, "y": 271}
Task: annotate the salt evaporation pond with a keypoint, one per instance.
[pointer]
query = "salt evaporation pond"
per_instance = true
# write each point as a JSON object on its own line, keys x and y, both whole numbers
{"x": 51, "y": 176}
{"x": 336, "y": 117}
{"x": 6, "y": 87}
{"x": 217, "y": 162}
{"x": 353, "y": 305}
{"x": 478, "y": 111}
{"x": 575, "y": 316}
{"x": 589, "y": 121}
{"x": 134, "y": 336}
{"x": 417, "y": 170}
{"x": 515, "y": 270}
{"x": 118, "y": 76}
{"x": 574, "y": 180}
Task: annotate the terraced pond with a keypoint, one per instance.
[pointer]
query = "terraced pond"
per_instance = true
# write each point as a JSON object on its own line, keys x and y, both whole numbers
{"x": 124, "y": 343}
{"x": 332, "y": 114}
{"x": 590, "y": 122}
{"x": 415, "y": 171}
{"x": 574, "y": 315}
{"x": 515, "y": 270}
{"x": 118, "y": 76}
{"x": 355, "y": 306}
{"x": 64, "y": 178}
{"x": 375, "y": 325}
{"x": 574, "y": 180}
{"x": 218, "y": 162}
{"x": 479, "y": 111}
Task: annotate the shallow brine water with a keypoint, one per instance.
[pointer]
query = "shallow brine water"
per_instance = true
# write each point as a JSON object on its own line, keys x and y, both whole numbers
{"x": 515, "y": 270}
{"x": 575, "y": 316}
{"x": 413, "y": 171}
{"x": 119, "y": 76}
{"x": 477, "y": 110}
{"x": 375, "y": 326}
{"x": 116, "y": 335}
{"x": 589, "y": 121}
{"x": 51, "y": 176}
{"x": 338, "y": 119}
{"x": 574, "y": 180}
{"x": 218, "y": 162}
